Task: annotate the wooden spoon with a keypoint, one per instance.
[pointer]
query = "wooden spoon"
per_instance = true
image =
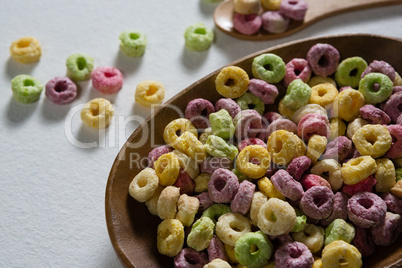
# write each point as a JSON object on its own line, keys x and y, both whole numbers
{"x": 317, "y": 10}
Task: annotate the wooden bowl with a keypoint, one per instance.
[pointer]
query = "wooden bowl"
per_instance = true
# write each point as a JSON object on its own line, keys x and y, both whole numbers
{"x": 132, "y": 229}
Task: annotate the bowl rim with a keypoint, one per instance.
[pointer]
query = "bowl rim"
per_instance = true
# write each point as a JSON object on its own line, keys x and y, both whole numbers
{"x": 109, "y": 186}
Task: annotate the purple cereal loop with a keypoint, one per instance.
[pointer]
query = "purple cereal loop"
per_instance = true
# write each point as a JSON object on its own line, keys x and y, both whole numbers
{"x": 288, "y": 186}
{"x": 107, "y": 80}
{"x": 197, "y": 111}
{"x": 223, "y": 186}
{"x": 190, "y": 258}
{"x": 338, "y": 149}
{"x": 266, "y": 92}
{"x": 366, "y": 209}
{"x": 363, "y": 241}
{"x": 317, "y": 202}
{"x": 340, "y": 209}
{"x": 323, "y": 59}
{"x": 293, "y": 255}
{"x": 379, "y": 66}
{"x": 251, "y": 141}
{"x": 396, "y": 147}
{"x": 393, "y": 106}
{"x": 61, "y": 90}
{"x": 394, "y": 204}
{"x": 247, "y": 24}
{"x": 242, "y": 201}
{"x": 396, "y": 89}
{"x": 156, "y": 153}
{"x": 298, "y": 166}
{"x": 297, "y": 68}
{"x": 229, "y": 105}
{"x": 388, "y": 231}
{"x": 284, "y": 238}
{"x": 282, "y": 124}
{"x": 294, "y": 9}
{"x": 211, "y": 164}
{"x": 374, "y": 115}
{"x": 216, "y": 250}
{"x": 185, "y": 183}
{"x": 205, "y": 201}
{"x": 274, "y": 22}
{"x": 313, "y": 124}
{"x": 272, "y": 116}
{"x": 247, "y": 124}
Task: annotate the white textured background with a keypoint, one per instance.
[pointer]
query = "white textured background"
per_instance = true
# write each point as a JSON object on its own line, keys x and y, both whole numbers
{"x": 51, "y": 191}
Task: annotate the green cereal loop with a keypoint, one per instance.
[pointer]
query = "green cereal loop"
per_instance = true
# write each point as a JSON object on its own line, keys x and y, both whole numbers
{"x": 198, "y": 37}
{"x": 269, "y": 67}
{"x": 133, "y": 43}
{"x": 26, "y": 88}
{"x": 339, "y": 230}
{"x": 201, "y": 234}
{"x": 215, "y": 211}
{"x": 398, "y": 173}
{"x": 216, "y": 146}
{"x": 297, "y": 95}
{"x": 250, "y": 101}
{"x": 240, "y": 175}
{"x": 79, "y": 66}
{"x": 366, "y": 86}
{"x": 260, "y": 256}
{"x": 349, "y": 71}
{"x": 300, "y": 223}
{"x": 222, "y": 124}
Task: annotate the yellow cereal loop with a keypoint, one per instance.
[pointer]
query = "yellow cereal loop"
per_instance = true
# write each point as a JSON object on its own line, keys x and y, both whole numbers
{"x": 256, "y": 152}
{"x": 26, "y": 50}
{"x": 187, "y": 207}
{"x": 385, "y": 175}
{"x": 97, "y": 113}
{"x": 373, "y": 140}
{"x": 276, "y": 217}
{"x": 152, "y": 203}
{"x": 397, "y": 189}
{"x": 230, "y": 253}
{"x": 201, "y": 182}
{"x": 337, "y": 128}
{"x": 358, "y": 169}
{"x": 144, "y": 185}
{"x": 167, "y": 167}
{"x": 347, "y": 104}
{"x": 232, "y": 82}
{"x": 259, "y": 199}
{"x": 316, "y": 80}
{"x": 191, "y": 146}
{"x": 323, "y": 94}
{"x": 315, "y": 147}
{"x": 167, "y": 202}
{"x": 187, "y": 164}
{"x": 317, "y": 263}
{"x": 271, "y": 4}
{"x": 283, "y": 110}
{"x": 283, "y": 146}
{"x": 268, "y": 188}
{"x": 170, "y": 237}
{"x": 180, "y": 124}
{"x": 150, "y": 93}
{"x": 341, "y": 254}
{"x": 312, "y": 236}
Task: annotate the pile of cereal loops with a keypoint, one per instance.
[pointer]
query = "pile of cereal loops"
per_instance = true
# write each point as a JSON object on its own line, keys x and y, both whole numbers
{"x": 276, "y": 16}
{"x": 318, "y": 184}
{"x": 80, "y": 67}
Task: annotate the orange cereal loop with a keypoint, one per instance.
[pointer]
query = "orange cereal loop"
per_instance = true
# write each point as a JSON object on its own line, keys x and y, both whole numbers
{"x": 323, "y": 94}
{"x": 97, "y": 113}
{"x": 150, "y": 93}
{"x": 232, "y": 82}
{"x": 26, "y": 50}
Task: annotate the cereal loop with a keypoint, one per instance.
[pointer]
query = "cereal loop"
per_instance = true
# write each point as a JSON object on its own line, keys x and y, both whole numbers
{"x": 232, "y": 82}
{"x": 167, "y": 167}
{"x": 358, "y": 169}
{"x": 283, "y": 146}
{"x": 231, "y": 226}
{"x": 144, "y": 185}
{"x": 372, "y": 140}
{"x": 26, "y": 50}
{"x": 97, "y": 113}
{"x": 182, "y": 125}
{"x": 167, "y": 202}
{"x": 201, "y": 234}
{"x": 150, "y": 93}
{"x": 341, "y": 254}
{"x": 276, "y": 217}
{"x": 187, "y": 207}
{"x": 170, "y": 237}
{"x": 269, "y": 67}
{"x": 347, "y": 104}
{"x": 26, "y": 88}
{"x": 252, "y": 170}
{"x": 323, "y": 94}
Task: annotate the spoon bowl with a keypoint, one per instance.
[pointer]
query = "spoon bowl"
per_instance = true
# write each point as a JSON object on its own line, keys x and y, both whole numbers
{"x": 317, "y": 10}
